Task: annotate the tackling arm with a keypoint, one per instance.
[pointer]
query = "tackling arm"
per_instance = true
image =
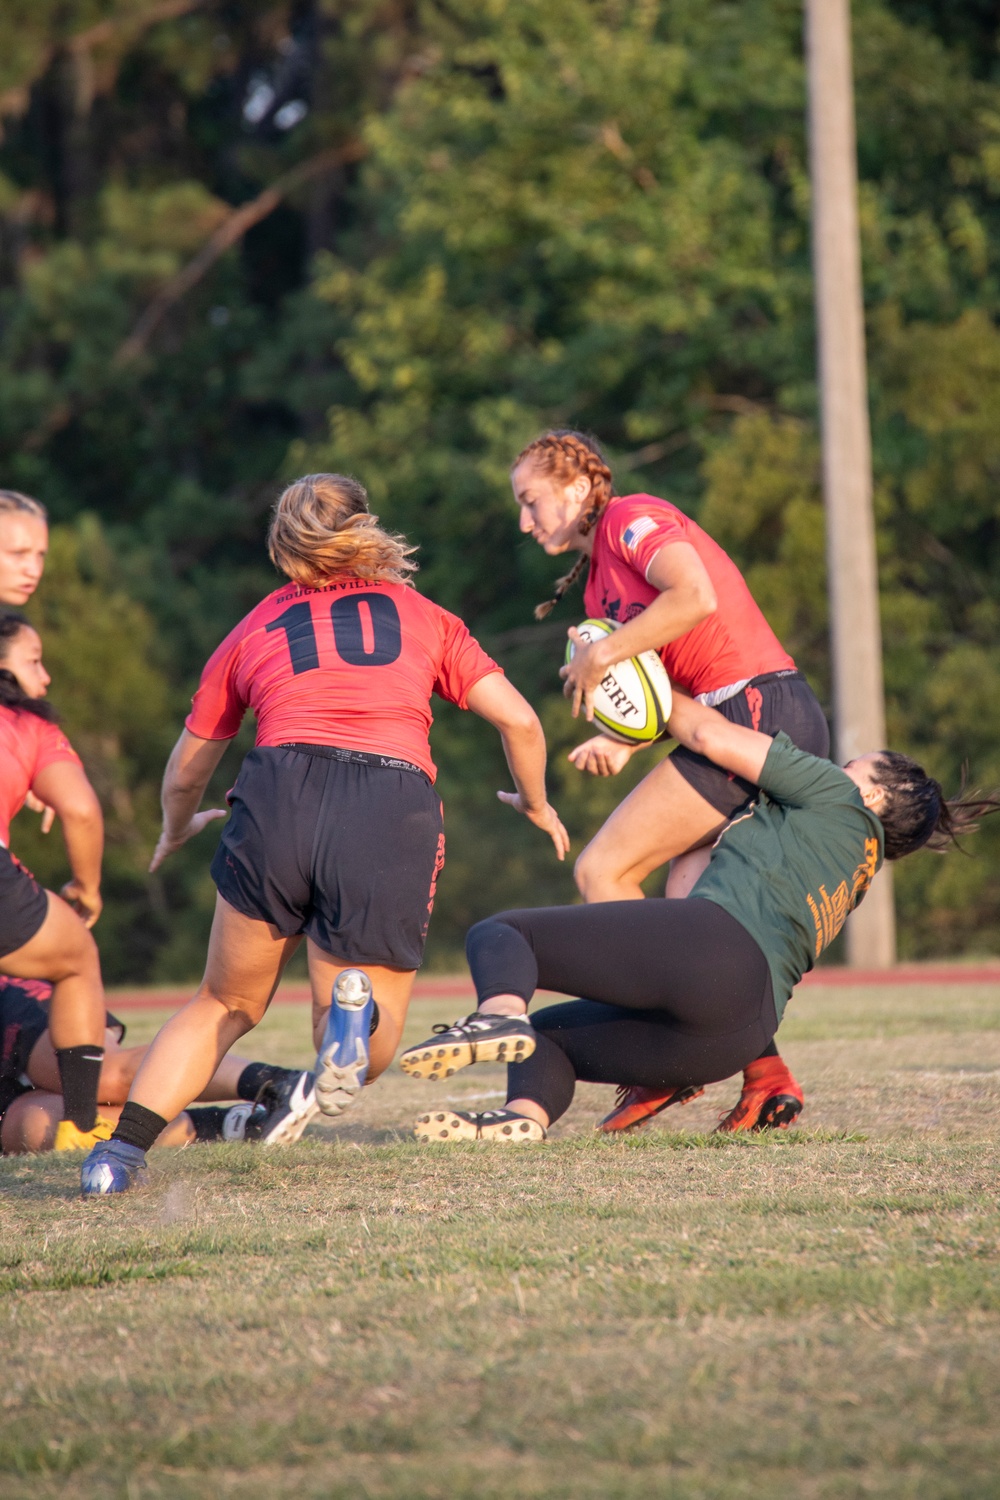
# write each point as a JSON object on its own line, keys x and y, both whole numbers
{"x": 709, "y": 733}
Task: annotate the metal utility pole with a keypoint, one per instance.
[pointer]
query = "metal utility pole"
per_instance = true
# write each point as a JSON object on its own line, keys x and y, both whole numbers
{"x": 855, "y": 631}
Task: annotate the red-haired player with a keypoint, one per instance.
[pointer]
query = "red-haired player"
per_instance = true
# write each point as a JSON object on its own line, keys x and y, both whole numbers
{"x": 671, "y": 588}
{"x": 335, "y": 833}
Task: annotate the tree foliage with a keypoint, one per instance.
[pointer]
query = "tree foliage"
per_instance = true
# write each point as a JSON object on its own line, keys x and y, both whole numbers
{"x": 398, "y": 238}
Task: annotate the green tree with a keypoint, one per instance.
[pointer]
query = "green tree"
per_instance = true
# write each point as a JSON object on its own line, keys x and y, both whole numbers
{"x": 241, "y": 241}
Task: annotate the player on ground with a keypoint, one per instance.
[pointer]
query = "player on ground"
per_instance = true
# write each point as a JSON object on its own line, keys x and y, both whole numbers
{"x": 278, "y": 1102}
{"x": 335, "y": 833}
{"x": 673, "y": 589}
{"x": 42, "y": 935}
{"x": 683, "y": 993}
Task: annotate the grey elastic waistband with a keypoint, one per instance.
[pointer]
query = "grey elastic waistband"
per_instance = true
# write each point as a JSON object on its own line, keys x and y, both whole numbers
{"x": 356, "y": 757}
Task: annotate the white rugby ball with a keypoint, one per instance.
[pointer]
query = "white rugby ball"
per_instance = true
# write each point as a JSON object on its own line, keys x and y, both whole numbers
{"x": 633, "y": 701}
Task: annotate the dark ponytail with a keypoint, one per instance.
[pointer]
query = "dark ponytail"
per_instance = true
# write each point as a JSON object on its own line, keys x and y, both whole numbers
{"x": 12, "y": 694}
{"x": 917, "y": 813}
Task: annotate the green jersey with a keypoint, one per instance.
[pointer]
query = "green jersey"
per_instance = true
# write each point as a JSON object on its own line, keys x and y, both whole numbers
{"x": 795, "y": 863}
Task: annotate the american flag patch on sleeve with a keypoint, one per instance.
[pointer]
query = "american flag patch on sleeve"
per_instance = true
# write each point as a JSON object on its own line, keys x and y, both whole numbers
{"x": 634, "y": 533}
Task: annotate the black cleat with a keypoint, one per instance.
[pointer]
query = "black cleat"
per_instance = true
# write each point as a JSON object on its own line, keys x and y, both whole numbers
{"x": 479, "y": 1038}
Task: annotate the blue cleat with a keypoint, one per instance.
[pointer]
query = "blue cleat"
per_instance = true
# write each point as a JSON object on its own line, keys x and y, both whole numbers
{"x": 112, "y": 1167}
{"x": 342, "y": 1061}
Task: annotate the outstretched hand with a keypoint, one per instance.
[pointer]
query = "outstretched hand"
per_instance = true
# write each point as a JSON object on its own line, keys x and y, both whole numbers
{"x": 602, "y": 756}
{"x": 166, "y": 845}
{"x": 546, "y": 818}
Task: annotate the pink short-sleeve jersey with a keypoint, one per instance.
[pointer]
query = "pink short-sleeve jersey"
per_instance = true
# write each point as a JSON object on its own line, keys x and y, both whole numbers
{"x": 730, "y": 646}
{"x": 27, "y": 745}
{"x": 350, "y": 663}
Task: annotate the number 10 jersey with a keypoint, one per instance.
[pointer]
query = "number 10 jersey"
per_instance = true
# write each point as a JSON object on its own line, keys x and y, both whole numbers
{"x": 348, "y": 663}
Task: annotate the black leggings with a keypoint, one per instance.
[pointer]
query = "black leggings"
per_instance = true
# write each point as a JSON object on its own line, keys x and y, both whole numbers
{"x": 676, "y": 993}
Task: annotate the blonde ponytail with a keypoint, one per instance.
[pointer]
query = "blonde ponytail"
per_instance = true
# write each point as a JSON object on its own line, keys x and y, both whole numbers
{"x": 321, "y": 527}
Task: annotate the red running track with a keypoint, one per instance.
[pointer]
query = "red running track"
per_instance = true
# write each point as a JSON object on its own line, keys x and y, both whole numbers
{"x": 446, "y": 987}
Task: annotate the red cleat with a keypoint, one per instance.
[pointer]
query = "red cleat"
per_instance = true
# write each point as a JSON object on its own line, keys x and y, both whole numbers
{"x": 637, "y": 1105}
{"x": 771, "y": 1099}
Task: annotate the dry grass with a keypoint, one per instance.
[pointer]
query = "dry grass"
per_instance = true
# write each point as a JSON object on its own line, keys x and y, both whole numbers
{"x": 672, "y": 1315}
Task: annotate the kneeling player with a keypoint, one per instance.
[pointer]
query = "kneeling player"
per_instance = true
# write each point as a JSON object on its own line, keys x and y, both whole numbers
{"x": 683, "y": 993}
{"x": 42, "y": 935}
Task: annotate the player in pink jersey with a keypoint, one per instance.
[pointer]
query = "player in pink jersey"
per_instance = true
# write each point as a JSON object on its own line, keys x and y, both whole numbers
{"x": 44, "y": 936}
{"x": 672, "y": 589}
{"x": 336, "y": 831}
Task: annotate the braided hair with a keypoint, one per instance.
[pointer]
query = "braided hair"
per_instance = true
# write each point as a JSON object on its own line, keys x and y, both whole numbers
{"x": 12, "y": 694}
{"x": 565, "y": 455}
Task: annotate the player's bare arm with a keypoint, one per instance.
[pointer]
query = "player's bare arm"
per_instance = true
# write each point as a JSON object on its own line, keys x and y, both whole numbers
{"x": 497, "y": 701}
{"x": 189, "y": 770}
{"x": 686, "y": 598}
{"x": 64, "y": 787}
{"x": 709, "y": 733}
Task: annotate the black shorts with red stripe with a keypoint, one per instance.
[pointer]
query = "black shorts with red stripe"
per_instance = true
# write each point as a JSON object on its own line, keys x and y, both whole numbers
{"x": 23, "y": 904}
{"x": 776, "y": 701}
{"x": 341, "y": 846}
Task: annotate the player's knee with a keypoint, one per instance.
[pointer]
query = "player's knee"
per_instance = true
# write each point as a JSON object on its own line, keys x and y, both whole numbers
{"x": 75, "y": 956}
{"x": 588, "y": 874}
{"x": 243, "y": 1012}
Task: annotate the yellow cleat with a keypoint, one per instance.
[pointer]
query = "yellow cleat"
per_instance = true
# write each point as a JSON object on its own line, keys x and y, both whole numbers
{"x": 70, "y": 1137}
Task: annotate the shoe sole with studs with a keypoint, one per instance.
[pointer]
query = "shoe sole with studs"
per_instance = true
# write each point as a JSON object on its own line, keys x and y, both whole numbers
{"x": 433, "y": 1062}
{"x": 444, "y": 1125}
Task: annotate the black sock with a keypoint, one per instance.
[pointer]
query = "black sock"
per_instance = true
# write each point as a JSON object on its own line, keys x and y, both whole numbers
{"x": 138, "y": 1126}
{"x": 79, "y": 1074}
{"x": 770, "y": 1050}
{"x": 208, "y": 1120}
{"x": 256, "y": 1077}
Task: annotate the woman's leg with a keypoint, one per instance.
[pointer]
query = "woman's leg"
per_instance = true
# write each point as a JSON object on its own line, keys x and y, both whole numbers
{"x": 391, "y": 988}
{"x": 661, "y": 818}
{"x": 689, "y": 959}
{"x": 63, "y": 952}
{"x": 597, "y": 1043}
{"x": 245, "y": 961}
{"x": 696, "y": 984}
{"x": 31, "y": 1122}
{"x": 119, "y": 1068}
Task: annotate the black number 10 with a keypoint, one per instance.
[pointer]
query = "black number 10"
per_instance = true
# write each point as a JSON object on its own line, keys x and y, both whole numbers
{"x": 385, "y": 636}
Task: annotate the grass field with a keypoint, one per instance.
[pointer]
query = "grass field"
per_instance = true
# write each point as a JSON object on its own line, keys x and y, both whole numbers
{"x": 670, "y": 1315}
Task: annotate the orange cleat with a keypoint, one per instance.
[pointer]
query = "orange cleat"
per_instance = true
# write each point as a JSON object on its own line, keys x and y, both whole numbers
{"x": 771, "y": 1099}
{"x": 636, "y": 1105}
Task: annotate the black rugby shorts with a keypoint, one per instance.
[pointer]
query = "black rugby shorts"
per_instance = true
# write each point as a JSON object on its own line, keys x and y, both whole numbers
{"x": 775, "y": 701}
{"x": 23, "y": 904}
{"x": 345, "y": 850}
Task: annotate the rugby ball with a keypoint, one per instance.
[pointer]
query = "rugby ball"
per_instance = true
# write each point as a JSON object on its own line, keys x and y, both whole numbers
{"x": 632, "y": 703}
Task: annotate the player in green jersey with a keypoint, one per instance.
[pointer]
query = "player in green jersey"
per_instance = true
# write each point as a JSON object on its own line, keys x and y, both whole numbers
{"x": 679, "y": 994}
